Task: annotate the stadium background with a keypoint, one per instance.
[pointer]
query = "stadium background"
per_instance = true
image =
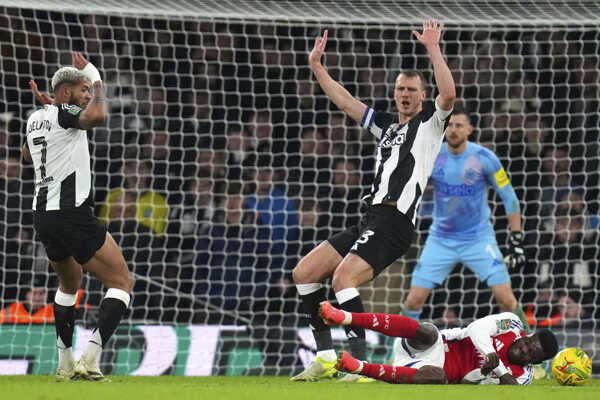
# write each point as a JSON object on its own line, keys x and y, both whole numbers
{"x": 212, "y": 99}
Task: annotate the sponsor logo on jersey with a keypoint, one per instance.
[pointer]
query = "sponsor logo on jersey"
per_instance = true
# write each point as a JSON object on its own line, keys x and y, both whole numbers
{"x": 461, "y": 190}
{"x": 501, "y": 178}
{"x": 394, "y": 136}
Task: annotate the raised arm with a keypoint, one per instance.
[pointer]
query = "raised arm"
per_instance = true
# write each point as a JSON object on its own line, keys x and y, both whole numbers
{"x": 336, "y": 92}
{"x": 430, "y": 38}
{"x": 96, "y": 111}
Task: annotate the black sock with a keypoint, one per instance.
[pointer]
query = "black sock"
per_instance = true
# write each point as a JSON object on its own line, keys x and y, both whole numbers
{"x": 321, "y": 332}
{"x": 64, "y": 322}
{"x": 111, "y": 311}
{"x": 356, "y": 336}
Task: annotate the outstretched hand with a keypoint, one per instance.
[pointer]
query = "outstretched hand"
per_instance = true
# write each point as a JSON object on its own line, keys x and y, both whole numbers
{"x": 79, "y": 61}
{"x": 43, "y": 98}
{"x": 315, "y": 55}
{"x": 432, "y": 31}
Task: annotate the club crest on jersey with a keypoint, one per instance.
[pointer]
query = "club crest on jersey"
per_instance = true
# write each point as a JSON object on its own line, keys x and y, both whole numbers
{"x": 394, "y": 136}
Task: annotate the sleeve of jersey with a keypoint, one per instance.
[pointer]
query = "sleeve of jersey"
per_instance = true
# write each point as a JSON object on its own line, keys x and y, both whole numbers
{"x": 482, "y": 330}
{"x": 497, "y": 176}
{"x": 375, "y": 122}
{"x": 442, "y": 115}
{"x": 523, "y": 375}
{"x": 68, "y": 116}
{"x": 437, "y": 119}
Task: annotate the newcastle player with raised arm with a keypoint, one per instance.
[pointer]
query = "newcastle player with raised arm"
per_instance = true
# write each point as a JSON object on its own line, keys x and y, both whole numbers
{"x": 409, "y": 142}
{"x": 64, "y": 221}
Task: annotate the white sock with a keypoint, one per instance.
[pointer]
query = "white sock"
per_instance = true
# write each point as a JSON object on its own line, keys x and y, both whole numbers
{"x": 91, "y": 356}
{"x": 65, "y": 358}
{"x": 327, "y": 355}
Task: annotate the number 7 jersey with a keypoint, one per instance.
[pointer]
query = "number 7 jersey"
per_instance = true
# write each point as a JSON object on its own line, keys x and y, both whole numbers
{"x": 61, "y": 157}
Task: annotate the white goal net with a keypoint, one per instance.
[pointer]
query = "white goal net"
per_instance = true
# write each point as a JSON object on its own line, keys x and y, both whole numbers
{"x": 223, "y": 163}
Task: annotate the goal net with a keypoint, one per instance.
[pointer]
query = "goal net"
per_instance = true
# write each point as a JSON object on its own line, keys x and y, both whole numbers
{"x": 222, "y": 163}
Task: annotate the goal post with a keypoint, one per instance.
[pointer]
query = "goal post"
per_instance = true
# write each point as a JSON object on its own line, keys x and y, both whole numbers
{"x": 213, "y": 108}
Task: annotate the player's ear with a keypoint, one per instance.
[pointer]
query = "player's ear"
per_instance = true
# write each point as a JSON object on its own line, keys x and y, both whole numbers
{"x": 470, "y": 129}
{"x": 64, "y": 91}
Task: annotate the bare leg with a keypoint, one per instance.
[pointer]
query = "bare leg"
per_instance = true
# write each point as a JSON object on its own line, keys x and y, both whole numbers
{"x": 108, "y": 266}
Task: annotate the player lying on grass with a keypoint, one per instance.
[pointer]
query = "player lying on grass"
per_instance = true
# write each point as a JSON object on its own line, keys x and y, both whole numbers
{"x": 491, "y": 350}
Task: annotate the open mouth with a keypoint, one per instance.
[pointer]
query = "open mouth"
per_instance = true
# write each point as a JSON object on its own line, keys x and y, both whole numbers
{"x": 405, "y": 103}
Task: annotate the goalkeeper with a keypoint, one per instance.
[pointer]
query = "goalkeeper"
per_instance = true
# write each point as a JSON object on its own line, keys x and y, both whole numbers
{"x": 461, "y": 231}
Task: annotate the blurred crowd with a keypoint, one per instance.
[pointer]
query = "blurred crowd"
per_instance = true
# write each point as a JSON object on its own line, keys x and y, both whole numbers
{"x": 223, "y": 163}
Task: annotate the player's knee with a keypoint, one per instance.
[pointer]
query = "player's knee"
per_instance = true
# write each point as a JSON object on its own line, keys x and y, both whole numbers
{"x": 342, "y": 281}
{"x": 506, "y": 300}
{"x": 430, "y": 375}
{"x": 301, "y": 273}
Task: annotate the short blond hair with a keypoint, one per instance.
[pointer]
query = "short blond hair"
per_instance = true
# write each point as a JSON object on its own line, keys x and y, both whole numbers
{"x": 68, "y": 75}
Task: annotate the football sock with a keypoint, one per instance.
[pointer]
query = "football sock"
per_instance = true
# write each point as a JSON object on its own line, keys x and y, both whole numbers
{"x": 388, "y": 324}
{"x": 112, "y": 308}
{"x": 312, "y": 294}
{"x": 349, "y": 300}
{"x": 388, "y": 373}
{"x": 64, "y": 323}
{"x": 414, "y": 314}
{"x": 519, "y": 312}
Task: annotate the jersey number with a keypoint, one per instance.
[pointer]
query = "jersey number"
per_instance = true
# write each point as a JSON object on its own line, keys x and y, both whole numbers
{"x": 37, "y": 141}
{"x": 363, "y": 239}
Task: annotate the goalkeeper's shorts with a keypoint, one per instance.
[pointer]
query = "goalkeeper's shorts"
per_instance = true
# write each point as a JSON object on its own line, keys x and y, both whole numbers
{"x": 440, "y": 255}
{"x": 382, "y": 236}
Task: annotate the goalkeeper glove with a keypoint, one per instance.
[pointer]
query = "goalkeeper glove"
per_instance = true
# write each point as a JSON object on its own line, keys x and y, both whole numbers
{"x": 516, "y": 252}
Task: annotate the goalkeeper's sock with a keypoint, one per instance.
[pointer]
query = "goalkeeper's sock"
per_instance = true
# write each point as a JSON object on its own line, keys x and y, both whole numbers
{"x": 414, "y": 314}
{"x": 521, "y": 314}
{"x": 64, "y": 323}
{"x": 388, "y": 324}
{"x": 312, "y": 294}
{"x": 388, "y": 373}
{"x": 112, "y": 308}
{"x": 349, "y": 300}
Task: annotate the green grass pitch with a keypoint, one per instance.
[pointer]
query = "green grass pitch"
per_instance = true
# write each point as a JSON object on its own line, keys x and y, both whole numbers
{"x": 31, "y": 387}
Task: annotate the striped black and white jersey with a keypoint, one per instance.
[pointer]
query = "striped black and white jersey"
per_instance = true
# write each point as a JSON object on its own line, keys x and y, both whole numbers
{"x": 61, "y": 157}
{"x": 405, "y": 155}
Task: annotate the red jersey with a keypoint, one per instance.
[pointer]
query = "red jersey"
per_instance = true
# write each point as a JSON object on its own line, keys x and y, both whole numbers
{"x": 466, "y": 348}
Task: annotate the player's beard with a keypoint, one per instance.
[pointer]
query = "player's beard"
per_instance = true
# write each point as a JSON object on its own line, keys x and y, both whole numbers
{"x": 456, "y": 145}
{"x": 73, "y": 100}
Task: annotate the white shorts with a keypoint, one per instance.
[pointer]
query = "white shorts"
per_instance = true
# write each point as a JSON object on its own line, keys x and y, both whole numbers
{"x": 406, "y": 356}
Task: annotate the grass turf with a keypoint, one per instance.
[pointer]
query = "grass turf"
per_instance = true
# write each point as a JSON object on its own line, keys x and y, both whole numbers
{"x": 32, "y": 387}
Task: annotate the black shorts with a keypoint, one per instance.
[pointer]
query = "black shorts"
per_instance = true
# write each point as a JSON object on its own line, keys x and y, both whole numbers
{"x": 70, "y": 232}
{"x": 382, "y": 236}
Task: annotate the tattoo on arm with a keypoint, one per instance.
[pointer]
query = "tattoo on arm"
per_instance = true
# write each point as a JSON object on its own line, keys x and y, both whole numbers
{"x": 98, "y": 96}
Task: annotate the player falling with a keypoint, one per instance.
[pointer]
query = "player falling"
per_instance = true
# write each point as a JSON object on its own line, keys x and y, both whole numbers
{"x": 493, "y": 349}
